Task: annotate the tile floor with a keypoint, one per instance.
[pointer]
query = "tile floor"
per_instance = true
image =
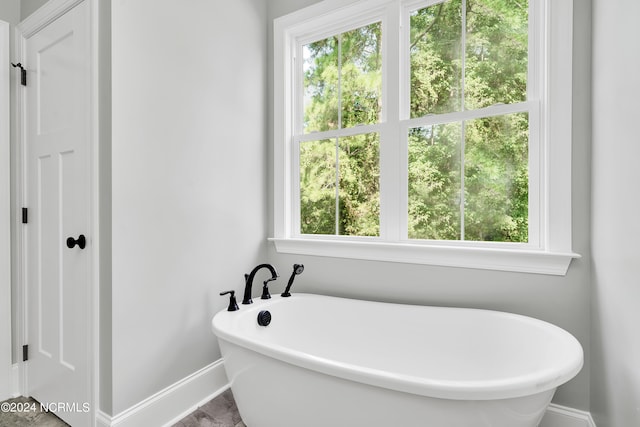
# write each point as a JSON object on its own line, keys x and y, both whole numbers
{"x": 219, "y": 412}
{"x": 28, "y": 417}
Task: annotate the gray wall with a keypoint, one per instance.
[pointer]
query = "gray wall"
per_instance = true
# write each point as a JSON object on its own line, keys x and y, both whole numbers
{"x": 10, "y": 11}
{"x": 188, "y": 181}
{"x": 615, "y": 385}
{"x": 27, "y": 7}
{"x": 104, "y": 176}
{"x": 560, "y": 300}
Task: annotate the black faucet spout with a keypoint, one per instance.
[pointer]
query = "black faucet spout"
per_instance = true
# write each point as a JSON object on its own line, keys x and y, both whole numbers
{"x": 248, "y": 281}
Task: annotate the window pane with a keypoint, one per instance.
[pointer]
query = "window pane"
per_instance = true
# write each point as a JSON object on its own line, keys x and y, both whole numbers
{"x": 359, "y": 205}
{"x": 318, "y": 187}
{"x": 361, "y": 75}
{"x": 343, "y": 80}
{"x": 321, "y": 85}
{"x": 496, "y": 52}
{"x": 436, "y": 59}
{"x": 497, "y": 179}
{"x": 434, "y": 182}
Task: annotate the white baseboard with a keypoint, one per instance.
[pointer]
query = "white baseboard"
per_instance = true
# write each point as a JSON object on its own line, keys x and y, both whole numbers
{"x": 175, "y": 402}
{"x": 15, "y": 380}
{"x": 562, "y": 416}
{"x": 102, "y": 419}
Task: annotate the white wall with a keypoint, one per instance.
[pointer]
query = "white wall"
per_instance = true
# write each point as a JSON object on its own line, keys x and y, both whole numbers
{"x": 560, "y": 300}
{"x": 615, "y": 386}
{"x": 188, "y": 180}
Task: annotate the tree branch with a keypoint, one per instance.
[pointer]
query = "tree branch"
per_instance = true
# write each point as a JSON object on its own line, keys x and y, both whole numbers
{"x": 424, "y": 33}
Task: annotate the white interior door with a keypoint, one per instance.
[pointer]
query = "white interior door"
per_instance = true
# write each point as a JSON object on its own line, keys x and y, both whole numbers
{"x": 57, "y": 126}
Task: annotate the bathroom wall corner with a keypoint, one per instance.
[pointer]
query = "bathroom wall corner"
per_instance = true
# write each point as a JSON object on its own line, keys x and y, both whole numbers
{"x": 104, "y": 371}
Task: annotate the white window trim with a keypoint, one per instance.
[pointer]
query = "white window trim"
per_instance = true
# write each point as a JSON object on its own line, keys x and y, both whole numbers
{"x": 554, "y": 254}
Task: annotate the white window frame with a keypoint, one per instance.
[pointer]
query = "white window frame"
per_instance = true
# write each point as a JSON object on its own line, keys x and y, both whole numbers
{"x": 549, "y": 250}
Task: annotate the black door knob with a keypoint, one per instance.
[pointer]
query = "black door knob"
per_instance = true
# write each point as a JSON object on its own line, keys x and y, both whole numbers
{"x": 81, "y": 241}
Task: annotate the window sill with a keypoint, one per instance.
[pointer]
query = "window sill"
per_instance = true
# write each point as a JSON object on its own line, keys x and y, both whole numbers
{"x": 525, "y": 261}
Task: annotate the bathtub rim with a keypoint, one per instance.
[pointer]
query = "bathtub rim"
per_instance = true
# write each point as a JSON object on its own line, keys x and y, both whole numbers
{"x": 513, "y": 387}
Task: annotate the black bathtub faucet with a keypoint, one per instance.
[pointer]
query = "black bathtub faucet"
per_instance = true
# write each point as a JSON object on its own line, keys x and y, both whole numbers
{"x": 297, "y": 269}
{"x": 233, "y": 305}
{"x": 248, "y": 283}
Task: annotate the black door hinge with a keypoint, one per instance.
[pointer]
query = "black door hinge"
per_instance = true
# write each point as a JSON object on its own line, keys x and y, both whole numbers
{"x": 25, "y": 215}
{"x": 23, "y": 73}
{"x": 25, "y": 353}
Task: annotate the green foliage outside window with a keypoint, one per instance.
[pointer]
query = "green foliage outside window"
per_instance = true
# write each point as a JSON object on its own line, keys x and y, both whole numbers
{"x": 343, "y": 86}
{"x": 481, "y": 164}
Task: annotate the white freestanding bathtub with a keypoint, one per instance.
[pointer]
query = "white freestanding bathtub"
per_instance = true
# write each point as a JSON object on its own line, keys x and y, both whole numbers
{"x": 326, "y": 361}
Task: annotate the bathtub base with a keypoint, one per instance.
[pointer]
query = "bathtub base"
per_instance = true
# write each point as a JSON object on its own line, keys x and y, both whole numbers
{"x": 271, "y": 393}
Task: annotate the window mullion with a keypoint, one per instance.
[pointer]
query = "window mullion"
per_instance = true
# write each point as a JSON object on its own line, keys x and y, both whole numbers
{"x": 468, "y": 115}
{"x": 298, "y": 81}
{"x": 463, "y": 57}
{"x": 337, "y": 144}
{"x": 340, "y": 81}
{"x": 295, "y": 190}
{"x": 462, "y": 198}
{"x": 341, "y": 133}
{"x": 463, "y": 53}
{"x": 537, "y": 201}
{"x": 404, "y": 117}
{"x": 337, "y": 140}
{"x": 392, "y": 186}
{"x": 297, "y": 126}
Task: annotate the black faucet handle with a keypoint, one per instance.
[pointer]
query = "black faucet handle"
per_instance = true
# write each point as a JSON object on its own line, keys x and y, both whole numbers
{"x": 233, "y": 305}
{"x": 265, "y": 289}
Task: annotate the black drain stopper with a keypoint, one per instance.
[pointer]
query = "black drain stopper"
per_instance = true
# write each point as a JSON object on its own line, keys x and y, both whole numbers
{"x": 264, "y": 318}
